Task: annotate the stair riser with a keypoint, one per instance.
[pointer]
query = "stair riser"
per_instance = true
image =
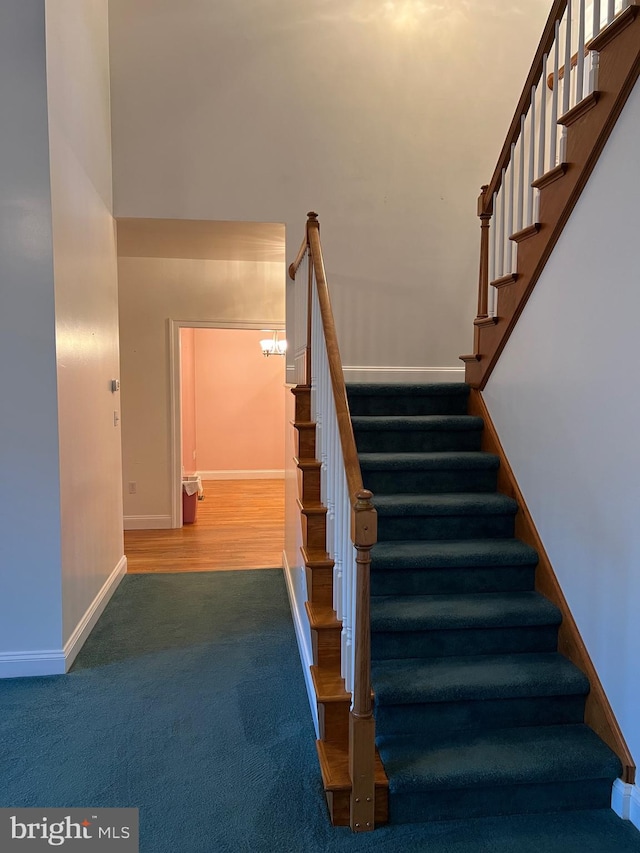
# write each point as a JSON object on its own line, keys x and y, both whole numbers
{"x": 387, "y": 645}
{"x": 319, "y": 585}
{"x": 465, "y": 803}
{"x": 325, "y": 646}
{"x": 402, "y": 404}
{"x": 429, "y": 482}
{"x": 443, "y": 581}
{"x": 448, "y": 717}
{"x": 306, "y": 441}
{"x": 314, "y": 531}
{"x": 416, "y": 440}
{"x": 333, "y": 722}
{"x": 394, "y": 527}
{"x": 309, "y": 485}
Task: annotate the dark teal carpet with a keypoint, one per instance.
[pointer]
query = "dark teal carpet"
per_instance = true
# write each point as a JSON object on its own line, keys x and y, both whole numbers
{"x": 476, "y": 712}
{"x": 188, "y": 702}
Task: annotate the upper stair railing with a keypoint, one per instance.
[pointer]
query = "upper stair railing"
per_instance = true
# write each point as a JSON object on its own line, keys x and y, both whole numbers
{"x": 351, "y": 517}
{"x": 561, "y": 86}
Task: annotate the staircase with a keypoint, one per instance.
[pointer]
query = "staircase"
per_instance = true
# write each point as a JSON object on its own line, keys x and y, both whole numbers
{"x": 477, "y": 713}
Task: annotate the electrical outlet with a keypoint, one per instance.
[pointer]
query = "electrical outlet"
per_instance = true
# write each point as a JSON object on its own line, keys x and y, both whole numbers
{"x": 133, "y": 487}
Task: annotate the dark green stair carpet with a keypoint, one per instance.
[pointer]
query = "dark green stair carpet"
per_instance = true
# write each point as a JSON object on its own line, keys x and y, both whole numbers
{"x": 476, "y": 712}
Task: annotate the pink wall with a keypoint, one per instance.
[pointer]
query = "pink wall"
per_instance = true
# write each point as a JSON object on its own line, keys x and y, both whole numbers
{"x": 240, "y": 411}
{"x": 188, "y": 402}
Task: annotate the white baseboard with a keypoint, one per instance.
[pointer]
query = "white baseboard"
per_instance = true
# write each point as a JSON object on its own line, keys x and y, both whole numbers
{"x": 39, "y": 662}
{"x": 270, "y": 474}
{"x": 58, "y": 661}
{"x": 305, "y": 655}
{"x": 147, "y": 522}
{"x": 353, "y": 373}
{"x": 93, "y": 613}
{"x": 625, "y": 801}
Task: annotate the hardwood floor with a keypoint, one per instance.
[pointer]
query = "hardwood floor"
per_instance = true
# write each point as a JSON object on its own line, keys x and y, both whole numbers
{"x": 239, "y": 525}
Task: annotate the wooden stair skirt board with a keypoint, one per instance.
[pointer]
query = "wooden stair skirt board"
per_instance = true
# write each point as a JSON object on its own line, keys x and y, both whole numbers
{"x": 588, "y": 128}
{"x": 332, "y": 700}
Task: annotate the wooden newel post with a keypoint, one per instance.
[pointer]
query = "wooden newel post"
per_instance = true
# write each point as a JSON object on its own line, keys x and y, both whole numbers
{"x": 361, "y": 722}
{"x": 312, "y": 222}
{"x": 483, "y": 278}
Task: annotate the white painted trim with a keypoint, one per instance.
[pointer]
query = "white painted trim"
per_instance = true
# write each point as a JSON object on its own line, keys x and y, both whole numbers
{"x": 625, "y": 801}
{"x": 93, "y": 613}
{"x": 355, "y": 373}
{"x": 305, "y": 656}
{"x": 39, "y": 662}
{"x": 269, "y": 474}
{"x": 148, "y": 522}
{"x": 634, "y": 807}
{"x": 58, "y": 661}
{"x": 175, "y": 427}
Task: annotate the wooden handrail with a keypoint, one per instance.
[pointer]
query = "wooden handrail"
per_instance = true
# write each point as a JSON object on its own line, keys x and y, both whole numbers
{"x": 302, "y": 251}
{"x": 363, "y": 536}
{"x": 546, "y": 41}
{"x": 347, "y": 439}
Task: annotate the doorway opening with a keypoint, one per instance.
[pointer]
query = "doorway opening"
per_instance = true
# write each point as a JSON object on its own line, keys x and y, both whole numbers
{"x": 227, "y": 428}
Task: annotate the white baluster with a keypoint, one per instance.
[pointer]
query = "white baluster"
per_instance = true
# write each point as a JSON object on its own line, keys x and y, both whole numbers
{"x": 331, "y": 470}
{"x": 553, "y": 130}
{"x": 532, "y": 154}
{"x": 520, "y": 204}
{"x": 580, "y": 62}
{"x": 566, "y": 89}
{"x": 594, "y": 68}
{"x": 491, "y": 307}
{"x": 542, "y": 139}
{"x": 500, "y": 265}
{"x": 566, "y": 81}
{"x": 595, "y": 29}
{"x": 510, "y": 265}
{"x": 611, "y": 11}
{"x": 337, "y": 568}
{"x": 347, "y": 666}
{"x": 347, "y": 579}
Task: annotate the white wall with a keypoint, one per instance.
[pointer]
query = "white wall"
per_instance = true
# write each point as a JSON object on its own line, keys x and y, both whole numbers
{"x": 60, "y": 513}
{"x": 194, "y": 283}
{"x": 85, "y": 268}
{"x": 30, "y": 558}
{"x": 564, "y": 397}
{"x": 240, "y": 406}
{"x": 386, "y": 127}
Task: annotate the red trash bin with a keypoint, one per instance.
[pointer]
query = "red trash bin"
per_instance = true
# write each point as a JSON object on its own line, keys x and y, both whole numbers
{"x": 191, "y": 489}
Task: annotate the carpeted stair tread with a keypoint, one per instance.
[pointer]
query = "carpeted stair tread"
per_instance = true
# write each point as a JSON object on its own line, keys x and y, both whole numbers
{"x": 457, "y": 423}
{"x": 445, "y": 504}
{"x": 454, "y": 612}
{"x": 477, "y": 713}
{"x": 394, "y": 389}
{"x": 450, "y": 461}
{"x": 529, "y": 755}
{"x": 463, "y": 553}
{"x": 412, "y": 680}
{"x": 366, "y": 399}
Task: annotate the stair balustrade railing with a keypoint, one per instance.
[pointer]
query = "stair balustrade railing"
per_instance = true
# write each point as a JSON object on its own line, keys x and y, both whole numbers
{"x": 562, "y": 81}
{"x": 351, "y": 517}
